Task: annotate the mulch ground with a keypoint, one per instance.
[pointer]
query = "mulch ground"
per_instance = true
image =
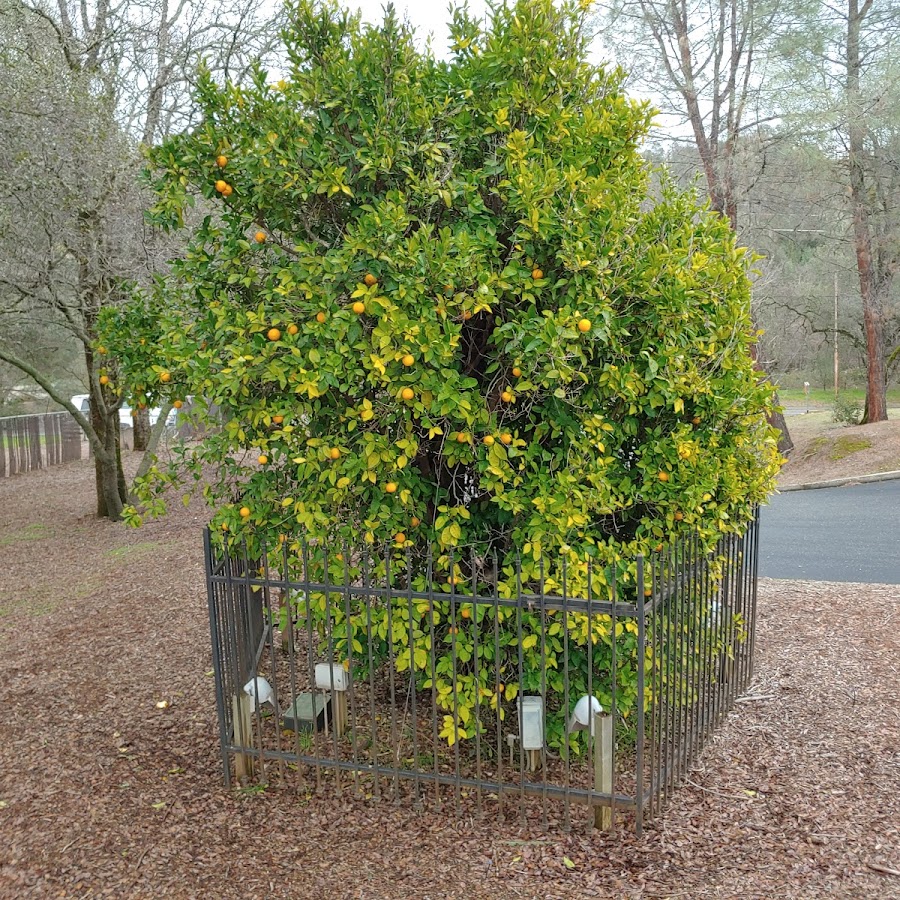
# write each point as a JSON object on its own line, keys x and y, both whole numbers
{"x": 104, "y": 794}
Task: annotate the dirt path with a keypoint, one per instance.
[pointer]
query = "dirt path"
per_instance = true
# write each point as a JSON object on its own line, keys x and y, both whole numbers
{"x": 103, "y": 794}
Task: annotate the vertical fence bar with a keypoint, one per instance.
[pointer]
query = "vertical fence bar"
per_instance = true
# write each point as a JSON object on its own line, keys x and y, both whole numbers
{"x": 474, "y": 619}
{"x": 497, "y": 683}
{"x": 613, "y": 705}
{"x": 432, "y": 657}
{"x": 310, "y": 659}
{"x": 392, "y": 668}
{"x": 367, "y": 600}
{"x": 337, "y": 703}
{"x": 519, "y": 628}
{"x": 350, "y": 631}
{"x": 639, "y": 791}
{"x": 754, "y": 529}
{"x": 249, "y": 640}
{"x": 590, "y": 689}
{"x": 543, "y": 615}
{"x": 567, "y": 819}
{"x": 417, "y": 797}
{"x": 454, "y": 632}
{"x": 269, "y": 627}
{"x": 290, "y": 641}
{"x": 212, "y": 603}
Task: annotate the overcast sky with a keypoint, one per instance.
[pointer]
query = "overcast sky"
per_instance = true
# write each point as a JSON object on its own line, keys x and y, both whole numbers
{"x": 426, "y": 16}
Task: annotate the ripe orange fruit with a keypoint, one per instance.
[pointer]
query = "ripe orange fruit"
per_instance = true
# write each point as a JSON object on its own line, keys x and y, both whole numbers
{"x": 165, "y": 377}
{"x": 507, "y": 397}
{"x": 466, "y": 613}
{"x": 282, "y": 538}
{"x": 221, "y": 161}
{"x": 273, "y": 334}
{"x": 537, "y": 274}
{"x": 260, "y": 237}
{"x": 462, "y": 437}
{"x": 262, "y": 459}
{"x": 407, "y": 393}
{"x": 359, "y": 307}
{"x": 408, "y": 360}
{"x": 679, "y": 516}
{"x": 501, "y": 687}
{"x": 104, "y": 379}
{"x": 400, "y": 537}
{"x": 415, "y": 521}
{"x": 334, "y": 453}
{"x": 178, "y": 404}
{"x": 584, "y": 325}
{"x": 320, "y": 317}
{"x": 658, "y": 548}
{"x": 221, "y": 186}
{"x": 277, "y": 419}
{"x": 370, "y": 280}
{"x": 454, "y": 630}
{"x": 488, "y": 440}
{"x": 391, "y": 487}
{"x": 648, "y": 592}
{"x": 245, "y": 512}
{"x": 224, "y": 526}
{"x": 663, "y": 476}
{"x": 696, "y": 420}
{"x": 101, "y": 350}
{"x": 229, "y": 190}
{"x": 292, "y": 329}
{"x": 506, "y": 438}
{"x": 516, "y": 371}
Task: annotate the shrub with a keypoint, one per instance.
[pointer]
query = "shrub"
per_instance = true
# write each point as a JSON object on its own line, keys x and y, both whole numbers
{"x": 439, "y": 301}
{"x": 846, "y": 410}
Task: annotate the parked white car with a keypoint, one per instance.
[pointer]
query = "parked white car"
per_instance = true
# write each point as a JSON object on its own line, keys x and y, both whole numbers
{"x": 82, "y": 402}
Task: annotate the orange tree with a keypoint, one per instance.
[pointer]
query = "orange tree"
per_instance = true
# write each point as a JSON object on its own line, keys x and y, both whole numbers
{"x": 438, "y": 304}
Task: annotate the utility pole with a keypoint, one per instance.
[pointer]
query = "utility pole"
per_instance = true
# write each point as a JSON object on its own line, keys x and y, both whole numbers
{"x": 836, "y": 358}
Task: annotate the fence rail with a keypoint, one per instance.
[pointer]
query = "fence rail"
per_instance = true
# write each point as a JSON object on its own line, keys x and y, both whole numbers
{"x": 351, "y": 670}
{"x": 37, "y": 442}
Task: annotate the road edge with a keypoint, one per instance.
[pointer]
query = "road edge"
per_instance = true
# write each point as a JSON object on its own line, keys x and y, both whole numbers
{"x": 840, "y": 482}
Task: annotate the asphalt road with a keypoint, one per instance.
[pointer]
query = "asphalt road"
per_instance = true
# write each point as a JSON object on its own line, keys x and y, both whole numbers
{"x": 833, "y": 534}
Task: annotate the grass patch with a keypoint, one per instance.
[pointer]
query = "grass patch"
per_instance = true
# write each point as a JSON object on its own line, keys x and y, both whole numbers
{"x": 133, "y": 551}
{"x": 814, "y": 446}
{"x": 34, "y": 532}
{"x": 818, "y": 397}
{"x": 846, "y": 446}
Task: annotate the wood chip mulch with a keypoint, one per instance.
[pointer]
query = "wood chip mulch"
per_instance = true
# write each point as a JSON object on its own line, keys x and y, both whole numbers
{"x": 105, "y": 794}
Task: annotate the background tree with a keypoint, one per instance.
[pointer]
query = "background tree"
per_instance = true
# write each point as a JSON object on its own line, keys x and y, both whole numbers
{"x": 702, "y": 62}
{"x": 80, "y": 85}
{"x": 839, "y": 83}
{"x": 436, "y": 308}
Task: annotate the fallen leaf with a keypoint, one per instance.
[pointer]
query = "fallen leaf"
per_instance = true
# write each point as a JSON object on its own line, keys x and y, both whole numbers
{"x": 568, "y": 863}
{"x": 162, "y": 704}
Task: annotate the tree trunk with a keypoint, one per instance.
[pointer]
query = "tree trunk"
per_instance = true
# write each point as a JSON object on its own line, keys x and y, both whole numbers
{"x": 869, "y": 280}
{"x": 141, "y": 428}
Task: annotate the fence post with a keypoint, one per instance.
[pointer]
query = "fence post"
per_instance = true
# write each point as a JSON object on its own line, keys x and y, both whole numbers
{"x": 603, "y": 768}
{"x": 241, "y": 711}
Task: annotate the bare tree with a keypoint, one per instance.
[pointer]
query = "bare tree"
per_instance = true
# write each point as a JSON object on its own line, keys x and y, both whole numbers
{"x": 81, "y": 85}
{"x": 840, "y": 86}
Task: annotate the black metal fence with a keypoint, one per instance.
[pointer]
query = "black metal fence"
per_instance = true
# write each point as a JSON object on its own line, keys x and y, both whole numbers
{"x": 37, "y": 442}
{"x": 386, "y": 676}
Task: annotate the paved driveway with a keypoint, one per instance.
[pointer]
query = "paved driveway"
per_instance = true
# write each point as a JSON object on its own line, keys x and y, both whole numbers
{"x": 833, "y": 534}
